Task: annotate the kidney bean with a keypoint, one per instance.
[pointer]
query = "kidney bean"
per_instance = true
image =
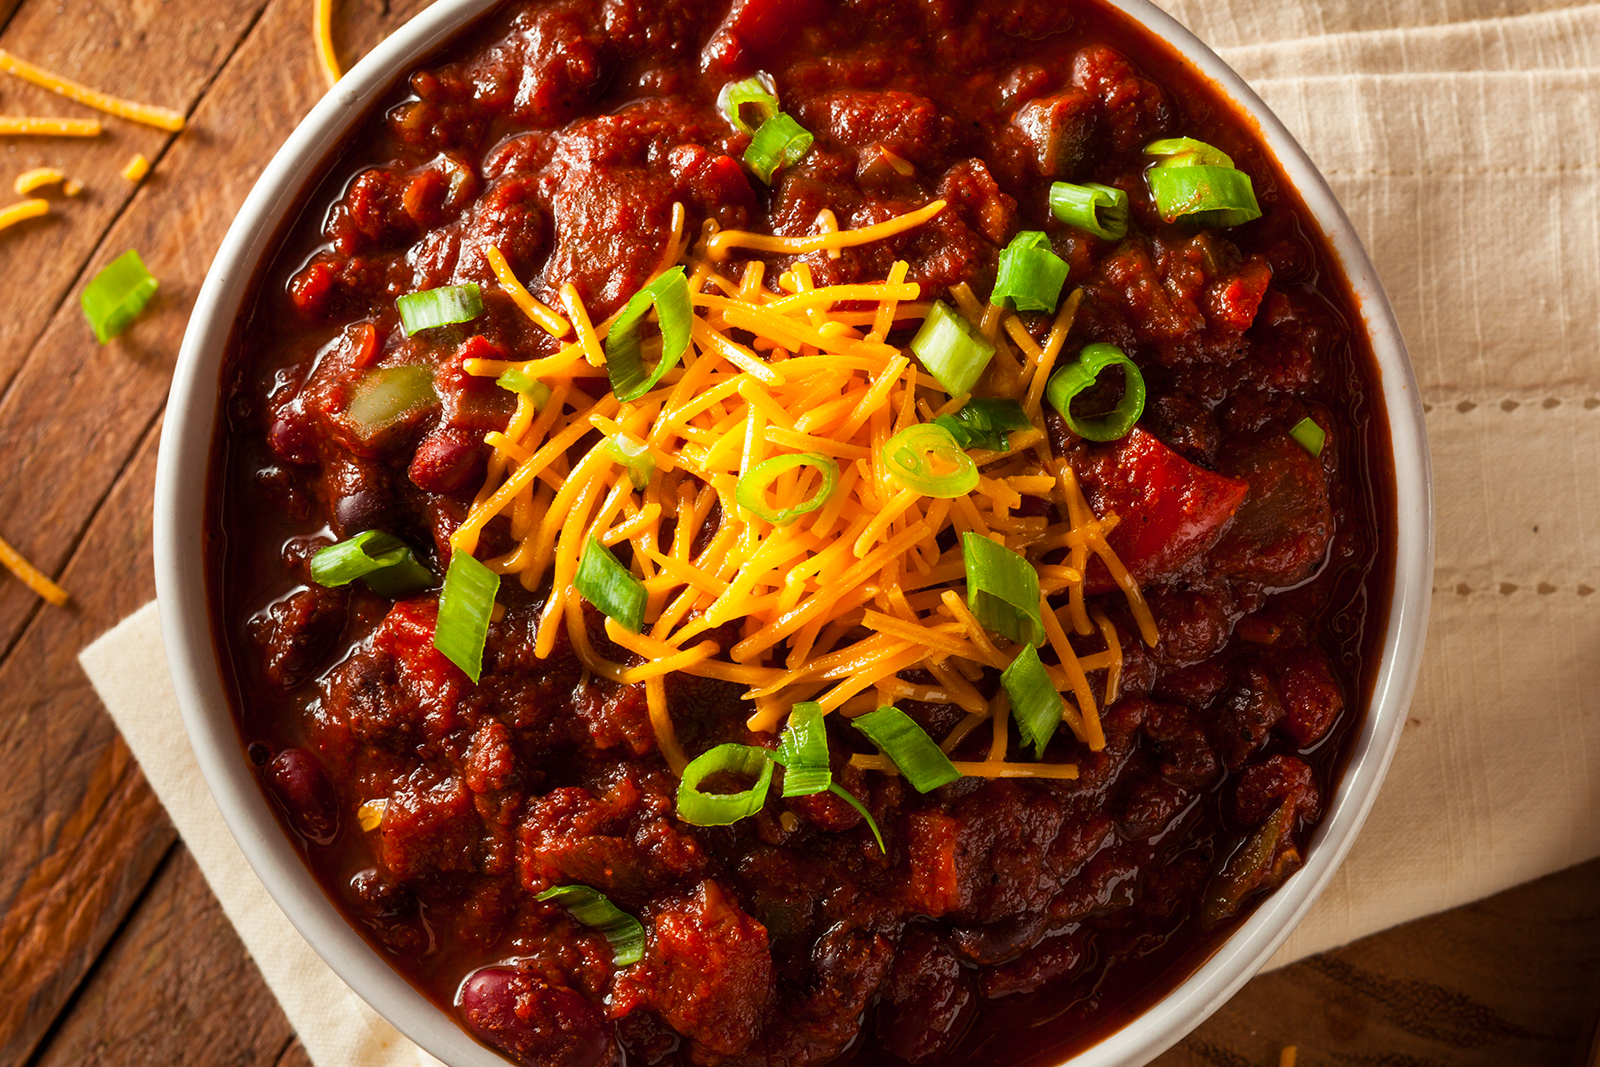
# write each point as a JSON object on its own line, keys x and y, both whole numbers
{"x": 300, "y": 786}
{"x": 447, "y": 461}
{"x": 927, "y": 1000}
{"x": 538, "y": 1025}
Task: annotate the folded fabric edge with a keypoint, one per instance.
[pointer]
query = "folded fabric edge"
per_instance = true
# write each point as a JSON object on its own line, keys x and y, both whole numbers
{"x": 127, "y": 666}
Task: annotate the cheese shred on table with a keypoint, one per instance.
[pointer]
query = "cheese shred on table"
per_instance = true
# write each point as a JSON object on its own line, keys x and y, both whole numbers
{"x": 15, "y": 126}
{"x": 136, "y": 168}
{"x": 12, "y": 214}
{"x": 30, "y": 575}
{"x": 837, "y": 605}
{"x": 322, "y": 29}
{"x": 159, "y": 117}
{"x": 37, "y": 178}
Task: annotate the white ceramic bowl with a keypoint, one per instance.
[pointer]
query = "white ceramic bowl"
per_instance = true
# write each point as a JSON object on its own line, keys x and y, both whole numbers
{"x": 181, "y": 480}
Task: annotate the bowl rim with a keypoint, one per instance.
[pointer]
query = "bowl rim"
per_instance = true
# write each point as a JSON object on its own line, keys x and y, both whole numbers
{"x": 180, "y": 496}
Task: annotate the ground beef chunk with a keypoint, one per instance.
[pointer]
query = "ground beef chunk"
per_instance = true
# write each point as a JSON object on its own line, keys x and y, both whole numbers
{"x": 908, "y": 125}
{"x": 295, "y": 633}
{"x": 430, "y": 826}
{"x": 1281, "y": 532}
{"x": 1242, "y": 719}
{"x": 620, "y": 841}
{"x": 1062, "y": 132}
{"x": 1274, "y": 781}
{"x": 1312, "y": 696}
{"x": 1136, "y": 108}
{"x": 927, "y": 999}
{"x": 707, "y": 971}
{"x": 1055, "y": 959}
{"x": 1178, "y": 738}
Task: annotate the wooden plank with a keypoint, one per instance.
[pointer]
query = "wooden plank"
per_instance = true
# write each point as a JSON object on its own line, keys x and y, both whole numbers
{"x": 80, "y": 830}
{"x": 175, "y": 988}
{"x": 164, "y": 53}
{"x": 295, "y": 1056}
{"x": 75, "y": 410}
{"x": 1511, "y": 979}
{"x": 157, "y": 53}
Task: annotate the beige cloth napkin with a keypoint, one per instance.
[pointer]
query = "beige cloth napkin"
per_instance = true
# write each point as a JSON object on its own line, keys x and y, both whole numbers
{"x": 1463, "y": 138}
{"x": 337, "y": 1028}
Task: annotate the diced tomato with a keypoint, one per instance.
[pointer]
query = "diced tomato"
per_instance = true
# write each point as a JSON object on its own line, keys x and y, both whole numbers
{"x": 756, "y": 27}
{"x": 934, "y": 847}
{"x": 407, "y": 635}
{"x": 1169, "y": 510}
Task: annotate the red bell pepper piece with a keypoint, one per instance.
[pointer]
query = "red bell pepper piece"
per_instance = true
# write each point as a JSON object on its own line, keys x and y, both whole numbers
{"x": 1169, "y": 510}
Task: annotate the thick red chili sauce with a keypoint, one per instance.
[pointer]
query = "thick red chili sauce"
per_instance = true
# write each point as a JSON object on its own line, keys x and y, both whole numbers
{"x": 563, "y": 133}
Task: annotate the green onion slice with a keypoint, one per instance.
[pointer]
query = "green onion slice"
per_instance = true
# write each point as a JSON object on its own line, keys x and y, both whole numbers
{"x": 1002, "y": 590}
{"x": 634, "y": 455}
{"x": 751, "y": 489}
{"x": 926, "y": 458}
{"x": 1100, "y": 209}
{"x": 669, "y": 294}
{"x": 465, "y": 603}
{"x": 758, "y": 93}
{"x": 1035, "y": 704}
{"x": 908, "y": 746}
{"x": 117, "y": 294}
{"x": 516, "y": 381}
{"x": 780, "y": 142}
{"x": 401, "y": 578}
{"x": 1187, "y": 152}
{"x": 1031, "y": 274}
{"x": 439, "y": 307}
{"x": 610, "y": 586}
{"x": 388, "y": 395}
{"x": 1068, "y": 382}
{"x": 952, "y": 349}
{"x": 383, "y": 561}
{"x": 984, "y": 422}
{"x": 872, "y": 824}
{"x": 803, "y": 752}
{"x": 722, "y": 809}
{"x": 1206, "y": 196}
{"x": 591, "y": 908}
{"x": 1309, "y": 436}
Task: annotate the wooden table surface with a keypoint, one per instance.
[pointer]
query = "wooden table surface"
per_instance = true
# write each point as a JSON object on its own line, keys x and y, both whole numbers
{"x": 112, "y": 948}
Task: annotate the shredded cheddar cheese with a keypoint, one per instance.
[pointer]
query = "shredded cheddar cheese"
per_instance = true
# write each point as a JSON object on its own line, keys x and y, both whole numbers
{"x": 12, "y": 126}
{"x": 12, "y": 214}
{"x": 983, "y": 769}
{"x": 136, "y": 168}
{"x": 838, "y": 604}
{"x": 538, "y": 312}
{"x": 37, "y": 178}
{"x": 31, "y": 576}
{"x": 720, "y": 245}
{"x": 322, "y": 29}
{"x": 159, "y": 117}
{"x": 370, "y": 814}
